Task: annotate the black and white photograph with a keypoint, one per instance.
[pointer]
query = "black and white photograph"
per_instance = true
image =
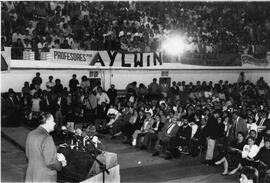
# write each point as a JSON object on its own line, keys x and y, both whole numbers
{"x": 124, "y": 91}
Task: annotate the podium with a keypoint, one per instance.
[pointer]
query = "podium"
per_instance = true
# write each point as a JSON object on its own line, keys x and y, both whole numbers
{"x": 82, "y": 168}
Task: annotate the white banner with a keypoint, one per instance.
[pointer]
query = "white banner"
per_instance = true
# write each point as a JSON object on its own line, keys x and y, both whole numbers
{"x": 106, "y": 58}
{"x": 72, "y": 56}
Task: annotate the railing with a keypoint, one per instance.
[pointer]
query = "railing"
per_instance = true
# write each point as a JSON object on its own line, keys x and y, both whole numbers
{"x": 257, "y": 51}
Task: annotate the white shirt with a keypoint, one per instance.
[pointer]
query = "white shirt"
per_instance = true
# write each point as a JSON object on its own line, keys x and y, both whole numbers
{"x": 150, "y": 111}
{"x": 194, "y": 129}
{"x": 16, "y": 36}
{"x": 70, "y": 41}
{"x": 49, "y": 84}
{"x": 146, "y": 124}
{"x": 59, "y": 100}
{"x": 208, "y": 94}
{"x": 262, "y": 121}
{"x": 157, "y": 125}
{"x": 250, "y": 152}
{"x": 30, "y": 30}
{"x": 114, "y": 111}
{"x": 35, "y": 104}
{"x": 103, "y": 97}
{"x": 209, "y": 49}
{"x": 171, "y": 127}
{"x": 252, "y": 126}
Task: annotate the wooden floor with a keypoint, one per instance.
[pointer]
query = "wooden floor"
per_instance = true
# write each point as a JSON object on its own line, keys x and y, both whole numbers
{"x": 135, "y": 165}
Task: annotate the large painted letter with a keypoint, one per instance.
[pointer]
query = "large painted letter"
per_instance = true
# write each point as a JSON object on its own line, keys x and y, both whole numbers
{"x": 112, "y": 57}
{"x": 157, "y": 57}
{"x": 123, "y": 61}
{"x": 97, "y": 58}
{"x": 138, "y": 62}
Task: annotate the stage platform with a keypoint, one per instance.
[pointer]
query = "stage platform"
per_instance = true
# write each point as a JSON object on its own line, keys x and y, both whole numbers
{"x": 151, "y": 169}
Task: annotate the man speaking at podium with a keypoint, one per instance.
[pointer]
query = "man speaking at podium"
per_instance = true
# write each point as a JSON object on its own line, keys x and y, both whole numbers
{"x": 40, "y": 150}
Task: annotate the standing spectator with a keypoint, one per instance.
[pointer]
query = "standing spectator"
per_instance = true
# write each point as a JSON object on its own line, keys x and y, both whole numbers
{"x": 58, "y": 88}
{"x": 12, "y": 107}
{"x": 32, "y": 89}
{"x": 241, "y": 78}
{"x": 45, "y": 103}
{"x": 112, "y": 94}
{"x": 96, "y": 87}
{"x": 211, "y": 134}
{"x": 26, "y": 88}
{"x": 89, "y": 101}
{"x": 238, "y": 125}
{"x": 154, "y": 89}
{"x": 101, "y": 117}
{"x": 142, "y": 92}
{"x": 36, "y": 104}
{"x": 85, "y": 83}
{"x": 73, "y": 83}
{"x": 102, "y": 97}
{"x": 50, "y": 84}
{"x": 37, "y": 81}
{"x": 131, "y": 90}
{"x": 59, "y": 118}
{"x": 174, "y": 91}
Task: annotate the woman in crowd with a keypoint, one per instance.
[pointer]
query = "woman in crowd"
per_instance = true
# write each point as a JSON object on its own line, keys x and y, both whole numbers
{"x": 251, "y": 124}
{"x": 151, "y": 136}
{"x": 263, "y": 156}
{"x": 248, "y": 153}
{"x": 36, "y": 104}
{"x": 146, "y": 127}
{"x": 130, "y": 127}
{"x": 233, "y": 153}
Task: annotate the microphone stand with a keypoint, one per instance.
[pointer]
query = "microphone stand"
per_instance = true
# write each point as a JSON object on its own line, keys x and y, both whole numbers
{"x": 101, "y": 166}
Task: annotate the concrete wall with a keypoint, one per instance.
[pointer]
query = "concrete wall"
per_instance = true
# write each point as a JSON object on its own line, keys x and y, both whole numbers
{"x": 16, "y": 77}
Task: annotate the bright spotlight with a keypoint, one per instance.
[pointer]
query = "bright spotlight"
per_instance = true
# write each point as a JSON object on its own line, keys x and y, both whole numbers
{"x": 174, "y": 45}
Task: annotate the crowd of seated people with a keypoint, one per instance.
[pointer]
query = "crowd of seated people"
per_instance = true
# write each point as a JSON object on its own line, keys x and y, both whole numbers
{"x": 229, "y": 122}
{"x": 134, "y": 26}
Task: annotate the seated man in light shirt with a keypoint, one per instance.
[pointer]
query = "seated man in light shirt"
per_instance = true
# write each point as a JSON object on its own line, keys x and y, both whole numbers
{"x": 113, "y": 114}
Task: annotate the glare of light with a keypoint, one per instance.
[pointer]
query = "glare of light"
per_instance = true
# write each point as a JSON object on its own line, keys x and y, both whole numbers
{"x": 174, "y": 45}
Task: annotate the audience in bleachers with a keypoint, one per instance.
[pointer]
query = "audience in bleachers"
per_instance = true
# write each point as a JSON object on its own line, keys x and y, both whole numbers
{"x": 208, "y": 27}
